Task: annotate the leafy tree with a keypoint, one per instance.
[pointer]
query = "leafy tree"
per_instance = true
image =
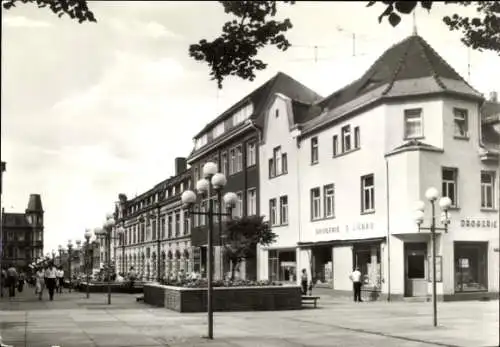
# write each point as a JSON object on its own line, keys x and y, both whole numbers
{"x": 75, "y": 9}
{"x": 241, "y": 237}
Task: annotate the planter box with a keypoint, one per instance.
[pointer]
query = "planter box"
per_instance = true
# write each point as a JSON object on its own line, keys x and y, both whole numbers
{"x": 269, "y": 298}
{"x": 115, "y": 288}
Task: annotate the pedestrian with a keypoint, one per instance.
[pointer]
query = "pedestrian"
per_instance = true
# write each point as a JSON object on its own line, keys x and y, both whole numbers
{"x": 304, "y": 281}
{"x": 60, "y": 279}
{"x": 20, "y": 283}
{"x": 39, "y": 282}
{"x": 50, "y": 280}
{"x": 131, "y": 276}
{"x": 12, "y": 280}
{"x": 3, "y": 278}
{"x": 356, "y": 284}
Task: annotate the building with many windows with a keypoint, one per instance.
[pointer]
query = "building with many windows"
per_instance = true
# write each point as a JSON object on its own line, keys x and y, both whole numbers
{"x": 157, "y": 234}
{"x": 231, "y": 141}
{"x": 22, "y": 235}
{"x": 343, "y": 177}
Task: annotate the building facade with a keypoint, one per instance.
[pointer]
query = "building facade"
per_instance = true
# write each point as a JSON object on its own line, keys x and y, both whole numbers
{"x": 364, "y": 156}
{"x": 22, "y": 235}
{"x": 157, "y": 234}
{"x": 232, "y": 142}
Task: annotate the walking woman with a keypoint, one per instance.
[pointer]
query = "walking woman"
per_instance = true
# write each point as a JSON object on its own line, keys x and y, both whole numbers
{"x": 40, "y": 282}
{"x": 50, "y": 280}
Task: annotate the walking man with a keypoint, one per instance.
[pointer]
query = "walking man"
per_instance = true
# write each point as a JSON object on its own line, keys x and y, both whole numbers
{"x": 60, "y": 279}
{"x": 356, "y": 284}
{"x": 12, "y": 280}
{"x": 50, "y": 280}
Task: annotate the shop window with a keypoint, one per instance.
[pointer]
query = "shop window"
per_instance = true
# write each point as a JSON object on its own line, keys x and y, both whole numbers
{"x": 282, "y": 265}
{"x": 471, "y": 266}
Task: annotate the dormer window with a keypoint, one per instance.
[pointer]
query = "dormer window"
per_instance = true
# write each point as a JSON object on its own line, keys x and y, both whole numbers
{"x": 201, "y": 141}
{"x": 218, "y": 130}
{"x": 461, "y": 123}
{"x": 242, "y": 114}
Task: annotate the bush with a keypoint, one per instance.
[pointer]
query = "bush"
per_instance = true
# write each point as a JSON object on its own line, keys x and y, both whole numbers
{"x": 203, "y": 283}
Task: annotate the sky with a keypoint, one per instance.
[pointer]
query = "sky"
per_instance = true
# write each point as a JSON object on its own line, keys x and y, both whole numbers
{"x": 96, "y": 109}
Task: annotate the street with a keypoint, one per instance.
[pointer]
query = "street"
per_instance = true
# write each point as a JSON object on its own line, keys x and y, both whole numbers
{"x": 71, "y": 320}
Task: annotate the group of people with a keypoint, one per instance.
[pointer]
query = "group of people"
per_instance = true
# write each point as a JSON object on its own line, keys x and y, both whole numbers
{"x": 46, "y": 276}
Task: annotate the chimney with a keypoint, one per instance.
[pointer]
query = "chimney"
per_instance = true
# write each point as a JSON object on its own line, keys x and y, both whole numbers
{"x": 494, "y": 96}
{"x": 180, "y": 165}
{"x": 35, "y": 203}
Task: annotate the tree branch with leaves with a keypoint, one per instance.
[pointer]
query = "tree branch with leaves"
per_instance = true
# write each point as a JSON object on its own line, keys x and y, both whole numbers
{"x": 75, "y": 9}
{"x": 241, "y": 237}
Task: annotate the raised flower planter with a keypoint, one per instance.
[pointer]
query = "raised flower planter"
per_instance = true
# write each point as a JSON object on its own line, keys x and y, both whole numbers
{"x": 230, "y": 298}
{"x": 102, "y": 287}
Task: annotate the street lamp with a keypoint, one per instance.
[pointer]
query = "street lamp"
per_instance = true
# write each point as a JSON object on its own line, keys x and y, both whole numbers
{"x": 87, "y": 235}
{"x": 432, "y": 195}
{"x": 54, "y": 256}
{"x": 213, "y": 181}
{"x": 105, "y": 232}
{"x": 60, "y": 249}
{"x": 70, "y": 252}
{"x": 121, "y": 234}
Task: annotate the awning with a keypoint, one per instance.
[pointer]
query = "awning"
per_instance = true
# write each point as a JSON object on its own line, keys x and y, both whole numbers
{"x": 340, "y": 242}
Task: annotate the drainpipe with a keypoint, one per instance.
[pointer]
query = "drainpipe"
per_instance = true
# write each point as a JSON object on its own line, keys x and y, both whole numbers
{"x": 388, "y": 247}
{"x": 299, "y": 220}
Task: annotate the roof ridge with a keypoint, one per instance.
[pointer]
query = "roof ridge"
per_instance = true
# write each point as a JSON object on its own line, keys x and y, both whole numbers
{"x": 398, "y": 68}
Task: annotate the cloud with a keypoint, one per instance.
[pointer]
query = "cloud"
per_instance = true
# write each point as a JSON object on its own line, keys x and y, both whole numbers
{"x": 24, "y": 22}
{"x": 136, "y": 28}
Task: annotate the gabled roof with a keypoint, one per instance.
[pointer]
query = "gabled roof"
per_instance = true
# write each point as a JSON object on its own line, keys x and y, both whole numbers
{"x": 410, "y": 67}
{"x": 281, "y": 83}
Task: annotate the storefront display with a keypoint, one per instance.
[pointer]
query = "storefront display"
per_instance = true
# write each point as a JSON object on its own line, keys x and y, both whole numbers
{"x": 471, "y": 266}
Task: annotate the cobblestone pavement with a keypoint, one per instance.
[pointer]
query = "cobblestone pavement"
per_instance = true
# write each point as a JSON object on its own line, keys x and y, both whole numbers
{"x": 71, "y": 320}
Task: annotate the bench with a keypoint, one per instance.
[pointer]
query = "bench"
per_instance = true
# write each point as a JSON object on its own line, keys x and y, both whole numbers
{"x": 310, "y": 300}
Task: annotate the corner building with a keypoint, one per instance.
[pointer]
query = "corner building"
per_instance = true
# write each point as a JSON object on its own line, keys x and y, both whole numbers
{"x": 232, "y": 141}
{"x": 359, "y": 160}
{"x": 157, "y": 229}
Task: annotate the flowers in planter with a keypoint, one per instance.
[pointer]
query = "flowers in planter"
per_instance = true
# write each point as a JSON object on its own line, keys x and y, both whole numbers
{"x": 203, "y": 283}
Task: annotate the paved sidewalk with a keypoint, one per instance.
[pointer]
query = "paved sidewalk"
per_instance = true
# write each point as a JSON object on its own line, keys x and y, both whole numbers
{"x": 74, "y": 321}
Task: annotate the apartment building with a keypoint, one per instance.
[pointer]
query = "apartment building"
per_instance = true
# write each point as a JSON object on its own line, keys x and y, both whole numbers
{"x": 21, "y": 242}
{"x": 359, "y": 160}
{"x": 232, "y": 141}
{"x": 157, "y": 238}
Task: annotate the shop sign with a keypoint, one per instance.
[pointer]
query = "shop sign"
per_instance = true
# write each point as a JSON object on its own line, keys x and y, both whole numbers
{"x": 478, "y": 223}
{"x": 464, "y": 263}
{"x": 345, "y": 228}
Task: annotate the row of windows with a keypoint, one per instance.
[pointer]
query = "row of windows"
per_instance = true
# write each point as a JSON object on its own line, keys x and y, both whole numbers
{"x": 169, "y": 227}
{"x": 237, "y": 211}
{"x": 325, "y": 207}
{"x": 167, "y": 192}
{"x": 349, "y": 141}
{"x": 449, "y": 187}
{"x": 414, "y": 127}
{"x": 231, "y": 161}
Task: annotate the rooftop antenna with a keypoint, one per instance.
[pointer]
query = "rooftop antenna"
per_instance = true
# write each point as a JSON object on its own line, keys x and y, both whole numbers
{"x": 315, "y": 54}
{"x": 415, "y": 22}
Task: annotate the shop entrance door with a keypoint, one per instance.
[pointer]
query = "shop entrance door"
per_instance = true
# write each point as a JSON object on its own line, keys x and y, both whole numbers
{"x": 415, "y": 269}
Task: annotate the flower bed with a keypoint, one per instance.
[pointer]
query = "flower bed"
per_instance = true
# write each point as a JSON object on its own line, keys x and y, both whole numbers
{"x": 228, "y": 296}
{"x": 115, "y": 288}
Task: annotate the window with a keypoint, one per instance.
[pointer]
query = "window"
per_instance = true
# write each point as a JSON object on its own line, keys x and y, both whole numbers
{"x": 284, "y": 210}
{"x": 314, "y": 150}
{"x": 357, "y": 139}
{"x": 346, "y": 138}
{"x": 272, "y": 172}
{"x": 277, "y": 161}
{"x": 471, "y": 266}
{"x": 273, "y": 217}
{"x": 153, "y": 229}
{"x": 315, "y": 203}
{"x": 487, "y": 189}
{"x": 277, "y": 113}
{"x": 251, "y": 202}
{"x": 162, "y": 223}
{"x": 413, "y": 123}
{"x": 186, "y": 223}
{"x": 284, "y": 163}
{"x": 335, "y": 145}
{"x": 239, "y": 159}
{"x": 329, "y": 193}
{"x": 251, "y": 154}
{"x": 232, "y": 161}
{"x": 238, "y": 208}
{"x": 170, "y": 225}
{"x": 218, "y": 130}
{"x": 177, "y": 223}
{"x": 449, "y": 184}
{"x": 223, "y": 163}
{"x": 367, "y": 194}
{"x": 461, "y": 122}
